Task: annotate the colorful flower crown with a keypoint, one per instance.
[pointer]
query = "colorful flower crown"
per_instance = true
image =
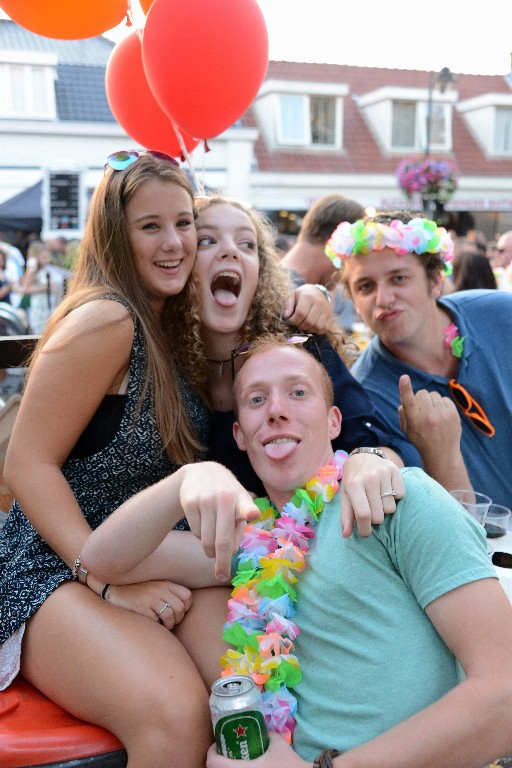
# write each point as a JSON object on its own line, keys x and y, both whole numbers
{"x": 418, "y": 236}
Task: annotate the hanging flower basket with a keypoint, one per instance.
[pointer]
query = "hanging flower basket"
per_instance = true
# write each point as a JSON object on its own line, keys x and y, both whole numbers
{"x": 434, "y": 179}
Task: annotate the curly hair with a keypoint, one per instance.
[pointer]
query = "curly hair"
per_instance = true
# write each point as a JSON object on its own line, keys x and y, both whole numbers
{"x": 106, "y": 265}
{"x": 265, "y": 315}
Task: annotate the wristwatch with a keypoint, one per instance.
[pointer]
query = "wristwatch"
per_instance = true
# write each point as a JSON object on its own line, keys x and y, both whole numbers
{"x": 324, "y": 290}
{"x": 368, "y": 449}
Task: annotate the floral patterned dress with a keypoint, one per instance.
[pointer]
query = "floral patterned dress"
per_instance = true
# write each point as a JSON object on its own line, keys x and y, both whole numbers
{"x": 133, "y": 460}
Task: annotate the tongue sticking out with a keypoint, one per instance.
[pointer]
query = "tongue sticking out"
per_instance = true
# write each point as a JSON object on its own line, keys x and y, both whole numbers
{"x": 224, "y": 297}
{"x": 225, "y": 289}
{"x": 280, "y": 450}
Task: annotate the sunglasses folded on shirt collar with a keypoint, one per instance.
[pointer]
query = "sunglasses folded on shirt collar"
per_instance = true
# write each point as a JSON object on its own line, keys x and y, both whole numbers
{"x": 471, "y": 409}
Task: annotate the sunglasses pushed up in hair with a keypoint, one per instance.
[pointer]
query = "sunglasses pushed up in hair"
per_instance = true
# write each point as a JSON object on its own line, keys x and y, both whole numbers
{"x": 122, "y": 159}
{"x": 307, "y": 340}
{"x": 471, "y": 409}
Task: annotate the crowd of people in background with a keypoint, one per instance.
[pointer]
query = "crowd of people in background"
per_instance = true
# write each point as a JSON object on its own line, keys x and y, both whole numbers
{"x": 34, "y": 280}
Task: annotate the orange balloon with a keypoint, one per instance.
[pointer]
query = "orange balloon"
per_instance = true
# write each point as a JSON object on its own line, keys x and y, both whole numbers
{"x": 134, "y": 105}
{"x": 66, "y": 19}
{"x": 145, "y": 5}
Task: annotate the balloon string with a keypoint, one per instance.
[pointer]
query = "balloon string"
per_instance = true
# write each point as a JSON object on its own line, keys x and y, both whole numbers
{"x": 186, "y": 156}
{"x": 184, "y": 151}
{"x": 131, "y": 21}
{"x": 129, "y": 14}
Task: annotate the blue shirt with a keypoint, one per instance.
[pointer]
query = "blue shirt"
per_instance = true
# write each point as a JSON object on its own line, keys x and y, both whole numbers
{"x": 484, "y": 319}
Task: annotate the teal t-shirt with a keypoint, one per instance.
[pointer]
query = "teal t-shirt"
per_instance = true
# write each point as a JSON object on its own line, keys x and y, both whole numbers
{"x": 369, "y": 654}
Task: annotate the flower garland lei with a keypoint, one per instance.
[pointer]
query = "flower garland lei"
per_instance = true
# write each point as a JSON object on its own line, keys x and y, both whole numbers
{"x": 453, "y": 340}
{"x": 262, "y": 604}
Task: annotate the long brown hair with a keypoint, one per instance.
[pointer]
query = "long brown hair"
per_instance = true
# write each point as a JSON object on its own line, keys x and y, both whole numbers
{"x": 106, "y": 266}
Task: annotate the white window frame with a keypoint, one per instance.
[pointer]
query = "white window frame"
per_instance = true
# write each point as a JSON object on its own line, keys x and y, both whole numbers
{"x": 501, "y": 150}
{"x": 404, "y": 147}
{"x": 440, "y": 146}
{"x": 33, "y": 96}
{"x": 305, "y": 140}
{"x": 377, "y": 110}
{"x": 303, "y": 91}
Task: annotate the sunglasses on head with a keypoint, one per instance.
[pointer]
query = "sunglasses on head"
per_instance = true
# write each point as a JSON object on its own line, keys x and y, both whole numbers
{"x": 122, "y": 159}
{"x": 471, "y": 409}
{"x": 307, "y": 340}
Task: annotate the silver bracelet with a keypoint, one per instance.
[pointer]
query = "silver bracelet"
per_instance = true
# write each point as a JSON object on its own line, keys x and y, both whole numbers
{"x": 368, "y": 449}
{"x": 324, "y": 290}
{"x": 79, "y": 572}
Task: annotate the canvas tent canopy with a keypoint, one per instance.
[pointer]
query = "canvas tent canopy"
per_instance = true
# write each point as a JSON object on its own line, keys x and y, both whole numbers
{"x": 23, "y": 211}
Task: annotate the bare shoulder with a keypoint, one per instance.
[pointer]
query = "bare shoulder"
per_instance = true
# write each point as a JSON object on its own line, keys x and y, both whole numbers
{"x": 100, "y": 331}
{"x": 95, "y": 318}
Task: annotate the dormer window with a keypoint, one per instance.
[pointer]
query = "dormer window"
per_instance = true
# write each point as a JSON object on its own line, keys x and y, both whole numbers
{"x": 27, "y": 85}
{"x": 404, "y": 127}
{"x": 489, "y": 117}
{"x": 409, "y": 126}
{"x": 301, "y": 114}
{"x": 307, "y": 120}
{"x": 398, "y": 119}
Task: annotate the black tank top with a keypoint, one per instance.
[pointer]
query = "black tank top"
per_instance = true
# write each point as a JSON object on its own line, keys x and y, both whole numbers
{"x": 101, "y": 428}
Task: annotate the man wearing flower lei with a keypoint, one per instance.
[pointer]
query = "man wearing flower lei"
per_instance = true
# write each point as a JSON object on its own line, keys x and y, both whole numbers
{"x": 368, "y": 632}
{"x": 454, "y": 349}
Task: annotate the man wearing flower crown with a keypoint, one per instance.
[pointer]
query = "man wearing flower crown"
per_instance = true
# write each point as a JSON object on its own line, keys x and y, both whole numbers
{"x": 380, "y": 621}
{"x": 453, "y": 348}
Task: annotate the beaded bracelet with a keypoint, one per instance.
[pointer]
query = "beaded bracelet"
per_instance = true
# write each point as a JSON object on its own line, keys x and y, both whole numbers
{"x": 324, "y": 759}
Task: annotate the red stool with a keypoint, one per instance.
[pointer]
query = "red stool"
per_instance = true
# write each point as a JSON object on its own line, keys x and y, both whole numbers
{"x": 36, "y": 732}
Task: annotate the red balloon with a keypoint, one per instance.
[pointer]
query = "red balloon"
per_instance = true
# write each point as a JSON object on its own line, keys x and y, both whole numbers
{"x": 133, "y": 104}
{"x": 204, "y": 60}
{"x": 66, "y": 19}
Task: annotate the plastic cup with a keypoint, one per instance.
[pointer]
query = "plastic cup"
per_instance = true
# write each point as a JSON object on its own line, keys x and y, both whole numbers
{"x": 361, "y": 335}
{"x": 477, "y": 504}
{"x": 496, "y": 521}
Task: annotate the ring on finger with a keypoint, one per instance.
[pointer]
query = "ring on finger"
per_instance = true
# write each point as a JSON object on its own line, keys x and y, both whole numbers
{"x": 163, "y": 608}
{"x": 388, "y": 493}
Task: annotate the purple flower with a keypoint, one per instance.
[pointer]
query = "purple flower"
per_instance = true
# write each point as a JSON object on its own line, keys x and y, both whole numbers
{"x": 434, "y": 178}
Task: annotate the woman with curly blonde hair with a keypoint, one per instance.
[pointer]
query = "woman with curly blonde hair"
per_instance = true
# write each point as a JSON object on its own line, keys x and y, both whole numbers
{"x": 243, "y": 289}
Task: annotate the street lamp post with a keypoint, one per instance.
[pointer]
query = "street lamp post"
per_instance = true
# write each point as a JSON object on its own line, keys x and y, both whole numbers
{"x": 440, "y": 80}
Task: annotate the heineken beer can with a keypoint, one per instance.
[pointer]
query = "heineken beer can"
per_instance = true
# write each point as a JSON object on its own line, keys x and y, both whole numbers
{"x": 237, "y": 717}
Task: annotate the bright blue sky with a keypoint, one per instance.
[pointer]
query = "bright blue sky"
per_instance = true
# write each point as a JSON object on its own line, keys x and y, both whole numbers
{"x": 391, "y": 33}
